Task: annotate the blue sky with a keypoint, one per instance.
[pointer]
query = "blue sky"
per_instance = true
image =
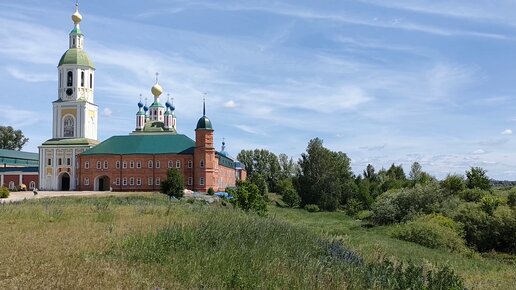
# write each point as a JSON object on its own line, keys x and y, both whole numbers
{"x": 384, "y": 81}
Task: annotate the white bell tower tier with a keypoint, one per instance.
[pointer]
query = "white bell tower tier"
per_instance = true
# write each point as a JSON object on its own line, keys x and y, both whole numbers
{"x": 75, "y": 115}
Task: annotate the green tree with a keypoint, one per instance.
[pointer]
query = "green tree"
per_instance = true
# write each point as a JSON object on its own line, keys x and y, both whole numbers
{"x": 416, "y": 170}
{"x": 476, "y": 177}
{"x": 369, "y": 173}
{"x": 453, "y": 184}
{"x": 288, "y": 167}
{"x": 258, "y": 180}
{"x": 174, "y": 185}
{"x": 291, "y": 197}
{"x": 247, "y": 197}
{"x": 11, "y": 139}
{"x": 263, "y": 162}
{"x": 323, "y": 176}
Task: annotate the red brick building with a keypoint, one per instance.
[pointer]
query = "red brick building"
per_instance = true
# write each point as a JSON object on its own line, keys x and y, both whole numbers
{"x": 139, "y": 162}
{"x": 18, "y": 168}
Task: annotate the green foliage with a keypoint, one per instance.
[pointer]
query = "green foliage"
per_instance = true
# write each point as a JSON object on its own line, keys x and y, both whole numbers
{"x": 399, "y": 205}
{"x": 258, "y": 180}
{"x": 291, "y": 198}
{"x": 324, "y": 176}
{"x": 473, "y": 194}
{"x": 486, "y": 232}
{"x": 211, "y": 191}
{"x": 511, "y": 198}
{"x": 453, "y": 184}
{"x": 262, "y": 162}
{"x": 312, "y": 208}
{"x": 353, "y": 207}
{"x": 476, "y": 177}
{"x": 433, "y": 231}
{"x": 174, "y": 185}
{"x": 247, "y": 197}
{"x": 4, "y": 192}
{"x": 11, "y": 139}
{"x": 489, "y": 203}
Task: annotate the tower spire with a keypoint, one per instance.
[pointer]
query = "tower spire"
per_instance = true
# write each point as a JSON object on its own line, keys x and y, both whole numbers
{"x": 204, "y": 107}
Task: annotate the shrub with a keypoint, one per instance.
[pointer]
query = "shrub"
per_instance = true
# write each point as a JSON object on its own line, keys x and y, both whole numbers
{"x": 258, "y": 180}
{"x": 291, "y": 198}
{"x": 174, "y": 185}
{"x": 4, "y": 192}
{"x": 433, "y": 231}
{"x": 211, "y": 191}
{"x": 402, "y": 204}
{"x": 453, "y": 184}
{"x": 312, "y": 208}
{"x": 353, "y": 207}
{"x": 489, "y": 203}
{"x": 511, "y": 198}
{"x": 474, "y": 194}
{"x": 364, "y": 214}
{"x": 247, "y": 196}
{"x": 485, "y": 232}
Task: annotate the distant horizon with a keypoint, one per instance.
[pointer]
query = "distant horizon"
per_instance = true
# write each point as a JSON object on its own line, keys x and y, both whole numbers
{"x": 425, "y": 81}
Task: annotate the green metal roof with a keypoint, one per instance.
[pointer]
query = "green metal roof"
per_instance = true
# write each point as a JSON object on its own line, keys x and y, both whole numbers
{"x": 18, "y": 158}
{"x": 204, "y": 123}
{"x": 156, "y": 104}
{"x": 71, "y": 141}
{"x": 76, "y": 31}
{"x": 144, "y": 144}
{"x": 76, "y": 56}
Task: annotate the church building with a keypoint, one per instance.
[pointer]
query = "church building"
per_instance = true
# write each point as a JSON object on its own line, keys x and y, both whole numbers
{"x": 74, "y": 160}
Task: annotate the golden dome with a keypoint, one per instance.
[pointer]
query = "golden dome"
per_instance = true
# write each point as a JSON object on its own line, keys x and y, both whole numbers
{"x": 77, "y": 17}
{"x": 156, "y": 90}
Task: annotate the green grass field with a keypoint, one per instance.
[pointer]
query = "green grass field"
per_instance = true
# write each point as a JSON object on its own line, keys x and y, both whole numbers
{"x": 145, "y": 241}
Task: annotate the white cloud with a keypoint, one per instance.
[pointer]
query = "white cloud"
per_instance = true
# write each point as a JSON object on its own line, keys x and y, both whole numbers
{"x": 107, "y": 112}
{"x": 230, "y": 104}
{"x": 30, "y": 77}
{"x": 507, "y": 132}
{"x": 479, "y": 152}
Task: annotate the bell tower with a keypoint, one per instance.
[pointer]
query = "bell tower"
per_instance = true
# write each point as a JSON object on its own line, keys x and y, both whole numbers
{"x": 205, "y": 162}
{"x": 75, "y": 115}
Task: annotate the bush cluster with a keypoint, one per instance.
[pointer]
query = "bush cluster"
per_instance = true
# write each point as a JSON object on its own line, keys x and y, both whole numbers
{"x": 433, "y": 231}
{"x": 4, "y": 192}
{"x": 486, "y": 232}
{"x": 312, "y": 208}
{"x": 402, "y": 204}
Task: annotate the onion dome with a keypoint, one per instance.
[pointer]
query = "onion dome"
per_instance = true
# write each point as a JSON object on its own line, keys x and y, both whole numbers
{"x": 168, "y": 104}
{"x": 145, "y": 108}
{"x": 140, "y": 104}
{"x": 76, "y": 17}
{"x": 156, "y": 90}
{"x": 204, "y": 124}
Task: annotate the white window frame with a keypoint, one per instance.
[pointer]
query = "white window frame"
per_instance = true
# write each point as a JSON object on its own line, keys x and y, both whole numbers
{"x": 178, "y": 164}
{"x": 150, "y": 164}
{"x": 170, "y": 163}
{"x": 201, "y": 181}
{"x": 99, "y": 164}
{"x": 106, "y": 165}
{"x": 158, "y": 164}
{"x": 138, "y": 164}
{"x": 117, "y": 180}
{"x": 131, "y": 181}
{"x": 117, "y": 164}
{"x": 190, "y": 163}
{"x": 158, "y": 181}
{"x": 190, "y": 180}
{"x": 124, "y": 181}
{"x": 86, "y": 165}
{"x": 86, "y": 181}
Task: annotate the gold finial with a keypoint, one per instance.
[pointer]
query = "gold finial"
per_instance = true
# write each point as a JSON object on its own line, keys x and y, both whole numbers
{"x": 76, "y": 17}
{"x": 157, "y": 90}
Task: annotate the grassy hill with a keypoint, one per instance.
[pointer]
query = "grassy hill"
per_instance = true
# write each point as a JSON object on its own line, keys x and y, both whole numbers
{"x": 145, "y": 241}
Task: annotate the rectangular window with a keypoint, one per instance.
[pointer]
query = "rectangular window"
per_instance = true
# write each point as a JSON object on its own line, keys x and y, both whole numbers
{"x": 59, "y": 161}
{"x": 117, "y": 165}
{"x": 190, "y": 181}
{"x": 91, "y": 81}
{"x": 131, "y": 181}
{"x": 178, "y": 164}
{"x": 131, "y": 164}
{"x": 124, "y": 181}
{"x": 149, "y": 181}
{"x": 138, "y": 181}
{"x": 117, "y": 181}
{"x": 49, "y": 161}
{"x": 158, "y": 180}
{"x": 105, "y": 165}
{"x": 201, "y": 163}
{"x": 86, "y": 181}
{"x": 124, "y": 165}
{"x": 87, "y": 165}
{"x": 201, "y": 181}
{"x": 99, "y": 164}
{"x": 158, "y": 165}
{"x": 138, "y": 164}
{"x": 190, "y": 163}
{"x": 68, "y": 161}
{"x": 170, "y": 164}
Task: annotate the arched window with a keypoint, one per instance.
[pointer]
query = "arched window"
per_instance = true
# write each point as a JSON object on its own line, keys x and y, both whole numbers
{"x": 150, "y": 163}
{"x": 32, "y": 185}
{"x": 82, "y": 79}
{"x": 68, "y": 126}
{"x": 60, "y": 79}
{"x": 69, "y": 80}
{"x": 91, "y": 81}
{"x": 201, "y": 163}
{"x": 11, "y": 185}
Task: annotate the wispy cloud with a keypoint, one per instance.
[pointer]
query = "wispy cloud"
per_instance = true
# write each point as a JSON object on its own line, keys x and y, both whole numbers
{"x": 230, "y": 104}
{"x": 31, "y": 77}
{"x": 507, "y": 132}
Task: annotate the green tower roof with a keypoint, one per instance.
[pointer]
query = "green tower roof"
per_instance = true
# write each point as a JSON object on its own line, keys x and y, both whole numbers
{"x": 204, "y": 124}
{"x": 76, "y": 56}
